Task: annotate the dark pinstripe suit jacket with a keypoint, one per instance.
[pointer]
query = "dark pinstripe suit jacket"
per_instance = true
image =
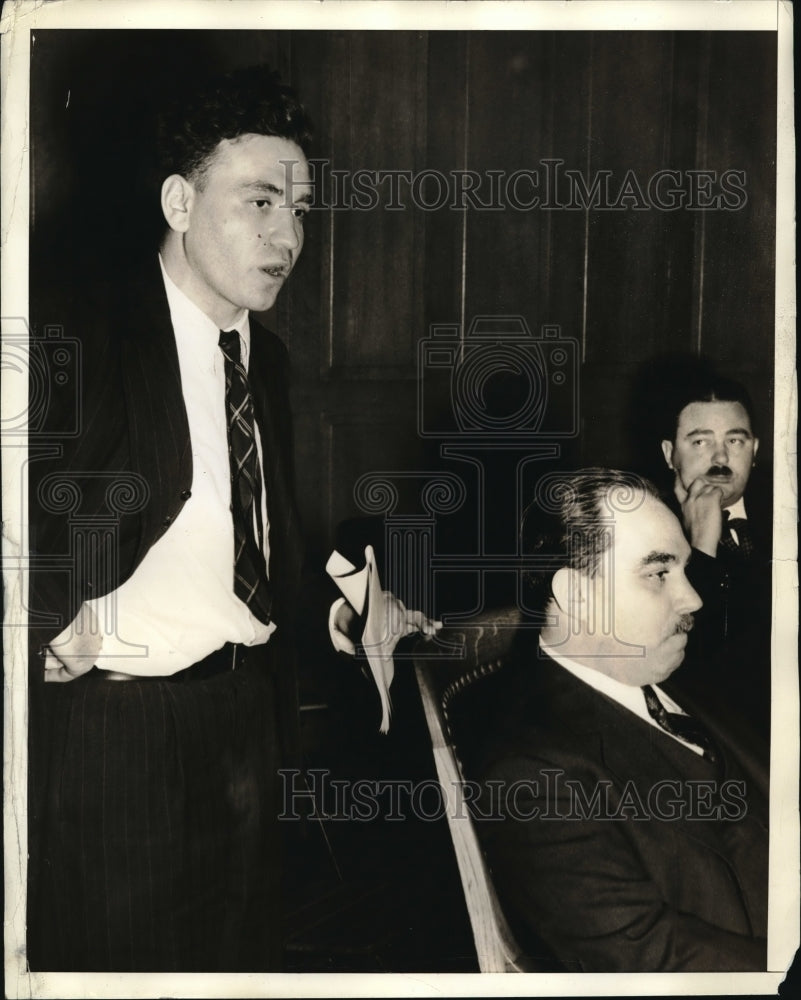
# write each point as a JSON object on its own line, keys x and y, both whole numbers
{"x": 108, "y": 494}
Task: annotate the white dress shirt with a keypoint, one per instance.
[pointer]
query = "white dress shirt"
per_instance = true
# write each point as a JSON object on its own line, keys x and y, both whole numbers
{"x": 629, "y": 696}
{"x": 179, "y": 605}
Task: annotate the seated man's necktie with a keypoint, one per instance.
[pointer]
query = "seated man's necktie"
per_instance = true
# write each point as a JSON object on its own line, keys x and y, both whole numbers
{"x": 250, "y": 570}
{"x": 688, "y": 729}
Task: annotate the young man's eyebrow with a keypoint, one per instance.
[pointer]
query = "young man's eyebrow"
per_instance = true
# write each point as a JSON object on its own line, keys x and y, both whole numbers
{"x": 264, "y": 187}
{"x": 658, "y": 557}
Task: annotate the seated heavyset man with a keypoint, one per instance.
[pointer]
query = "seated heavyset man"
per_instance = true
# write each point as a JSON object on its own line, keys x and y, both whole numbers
{"x": 622, "y": 833}
{"x": 710, "y": 446}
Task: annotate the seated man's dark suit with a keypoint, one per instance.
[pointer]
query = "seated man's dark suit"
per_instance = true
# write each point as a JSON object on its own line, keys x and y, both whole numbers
{"x": 127, "y": 474}
{"x": 728, "y": 650}
{"x": 633, "y": 893}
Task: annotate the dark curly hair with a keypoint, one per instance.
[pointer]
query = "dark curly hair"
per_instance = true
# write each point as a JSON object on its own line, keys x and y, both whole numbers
{"x": 249, "y": 100}
{"x": 569, "y": 521}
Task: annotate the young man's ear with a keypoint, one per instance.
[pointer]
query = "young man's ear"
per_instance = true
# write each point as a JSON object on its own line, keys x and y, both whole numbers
{"x": 569, "y": 591}
{"x": 667, "y": 451}
{"x": 177, "y": 195}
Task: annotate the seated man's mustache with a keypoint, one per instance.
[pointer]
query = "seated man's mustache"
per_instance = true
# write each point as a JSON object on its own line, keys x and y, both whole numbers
{"x": 684, "y": 624}
{"x": 719, "y": 470}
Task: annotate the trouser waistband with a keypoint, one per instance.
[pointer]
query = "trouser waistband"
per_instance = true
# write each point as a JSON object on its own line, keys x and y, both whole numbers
{"x": 231, "y": 656}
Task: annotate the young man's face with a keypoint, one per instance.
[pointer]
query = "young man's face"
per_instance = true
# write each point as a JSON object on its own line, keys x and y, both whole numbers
{"x": 642, "y": 589}
{"x": 245, "y": 227}
{"x": 714, "y": 442}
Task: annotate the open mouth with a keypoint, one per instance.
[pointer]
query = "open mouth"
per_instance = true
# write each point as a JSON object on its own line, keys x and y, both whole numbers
{"x": 276, "y": 270}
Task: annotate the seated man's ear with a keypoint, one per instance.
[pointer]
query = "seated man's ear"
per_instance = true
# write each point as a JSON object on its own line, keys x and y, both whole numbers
{"x": 667, "y": 451}
{"x": 569, "y": 590}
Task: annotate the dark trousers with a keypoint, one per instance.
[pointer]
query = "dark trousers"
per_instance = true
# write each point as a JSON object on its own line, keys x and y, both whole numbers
{"x": 153, "y": 817}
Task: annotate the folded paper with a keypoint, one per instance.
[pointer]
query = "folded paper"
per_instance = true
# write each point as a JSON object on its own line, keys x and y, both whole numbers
{"x": 362, "y": 589}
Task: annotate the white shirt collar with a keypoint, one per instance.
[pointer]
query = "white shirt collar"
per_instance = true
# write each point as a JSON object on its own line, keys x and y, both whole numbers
{"x": 188, "y": 316}
{"x": 738, "y": 509}
{"x": 627, "y": 695}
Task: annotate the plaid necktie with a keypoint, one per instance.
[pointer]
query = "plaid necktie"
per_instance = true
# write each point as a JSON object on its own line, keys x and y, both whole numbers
{"x": 743, "y": 545}
{"x": 740, "y": 525}
{"x": 687, "y": 729}
{"x": 250, "y": 569}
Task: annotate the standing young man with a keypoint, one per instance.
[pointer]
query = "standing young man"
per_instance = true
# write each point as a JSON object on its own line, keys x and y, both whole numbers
{"x": 154, "y": 843}
{"x": 166, "y": 555}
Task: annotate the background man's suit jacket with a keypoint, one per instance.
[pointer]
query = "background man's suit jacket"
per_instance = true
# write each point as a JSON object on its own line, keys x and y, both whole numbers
{"x": 631, "y": 894}
{"x": 728, "y": 650}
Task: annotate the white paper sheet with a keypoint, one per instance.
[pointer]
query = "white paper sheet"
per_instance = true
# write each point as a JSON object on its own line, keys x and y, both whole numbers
{"x": 362, "y": 587}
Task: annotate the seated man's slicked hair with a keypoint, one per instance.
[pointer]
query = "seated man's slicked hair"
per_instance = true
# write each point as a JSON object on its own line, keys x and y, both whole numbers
{"x": 247, "y": 101}
{"x": 569, "y": 520}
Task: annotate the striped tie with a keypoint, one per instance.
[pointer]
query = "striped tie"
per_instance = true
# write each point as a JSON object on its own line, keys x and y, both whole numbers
{"x": 250, "y": 569}
{"x": 687, "y": 729}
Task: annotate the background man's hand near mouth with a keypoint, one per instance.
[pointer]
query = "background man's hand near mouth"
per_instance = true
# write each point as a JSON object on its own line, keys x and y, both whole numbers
{"x": 701, "y": 513}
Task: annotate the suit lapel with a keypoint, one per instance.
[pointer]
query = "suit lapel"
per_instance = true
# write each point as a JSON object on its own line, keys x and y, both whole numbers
{"x": 745, "y": 751}
{"x": 268, "y": 375}
{"x": 160, "y": 444}
{"x": 159, "y": 431}
{"x": 632, "y": 750}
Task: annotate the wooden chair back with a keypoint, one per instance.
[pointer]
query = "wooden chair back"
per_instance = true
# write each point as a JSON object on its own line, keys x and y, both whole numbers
{"x": 484, "y": 643}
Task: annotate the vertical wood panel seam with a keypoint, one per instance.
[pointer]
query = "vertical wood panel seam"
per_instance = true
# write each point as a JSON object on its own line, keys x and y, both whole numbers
{"x": 549, "y": 128}
{"x": 585, "y": 288}
{"x": 330, "y": 333}
{"x": 700, "y": 159}
{"x": 463, "y": 279}
{"x": 420, "y": 222}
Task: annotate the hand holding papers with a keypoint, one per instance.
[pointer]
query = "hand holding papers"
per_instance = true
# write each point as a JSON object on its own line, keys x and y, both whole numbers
{"x": 386, "y": 619}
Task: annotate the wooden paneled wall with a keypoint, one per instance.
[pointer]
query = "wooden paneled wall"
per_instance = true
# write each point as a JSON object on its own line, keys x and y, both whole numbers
{"x": 627, "y": 285}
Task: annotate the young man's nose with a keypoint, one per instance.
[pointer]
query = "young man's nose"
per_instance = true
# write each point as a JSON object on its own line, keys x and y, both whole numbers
{"x": 286, "y": 231}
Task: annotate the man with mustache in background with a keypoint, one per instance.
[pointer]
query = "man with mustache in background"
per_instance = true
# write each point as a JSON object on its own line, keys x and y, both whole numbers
{"x": 711, "y": 448}
{"x": 606, "y": 854}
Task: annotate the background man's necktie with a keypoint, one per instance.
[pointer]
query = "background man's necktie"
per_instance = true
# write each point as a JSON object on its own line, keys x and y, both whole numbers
{"x": 743, "y": 543}
{"x": 740, "y": 526}
{"x": 250, "y": 570}
{"x": 686, "y": 728}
